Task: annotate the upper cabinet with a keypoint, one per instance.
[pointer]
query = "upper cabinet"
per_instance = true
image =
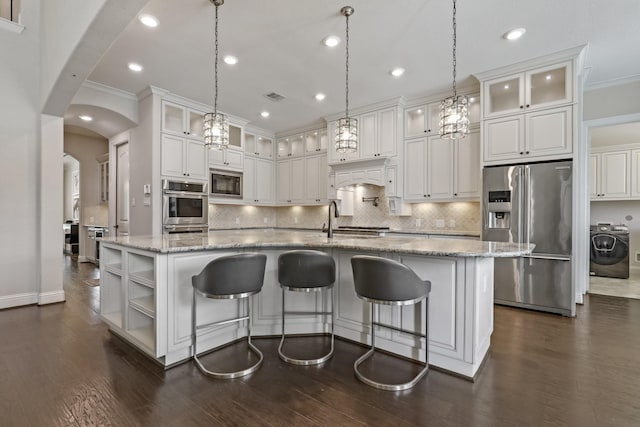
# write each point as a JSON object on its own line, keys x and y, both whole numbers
{"x": 316, "y": 141}
{"x": 291, "y": 146}
{"x": 258, "y": 145}
{"x": 183, "y": 158}
{"x": 424, "y": 120}
{"x": 535, "y": 89}
{"x": 182, "y": 121}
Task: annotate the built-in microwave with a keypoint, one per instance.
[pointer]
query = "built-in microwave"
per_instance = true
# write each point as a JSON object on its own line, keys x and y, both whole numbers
{"x": 185, "y": 203}
{"x": 226, "y": 184}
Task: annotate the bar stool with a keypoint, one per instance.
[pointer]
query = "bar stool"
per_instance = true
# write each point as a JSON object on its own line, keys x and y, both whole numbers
{"x": 384, "y": 281}
{"x": 306, "y": 271}
{"x": 228, "y": 277}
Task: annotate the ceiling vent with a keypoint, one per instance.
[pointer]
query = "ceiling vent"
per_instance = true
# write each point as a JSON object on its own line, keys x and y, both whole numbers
{"x": 274, "y": 96}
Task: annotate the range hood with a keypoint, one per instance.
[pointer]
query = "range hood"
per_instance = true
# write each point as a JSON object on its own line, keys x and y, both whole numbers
{"x": 364, "y": 172}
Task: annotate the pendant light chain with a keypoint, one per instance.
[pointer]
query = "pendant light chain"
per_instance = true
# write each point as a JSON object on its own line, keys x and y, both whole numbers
{"x": 347, "y": 72}
{"x": 454, "y": 48}
{"x": 215, "y": 96}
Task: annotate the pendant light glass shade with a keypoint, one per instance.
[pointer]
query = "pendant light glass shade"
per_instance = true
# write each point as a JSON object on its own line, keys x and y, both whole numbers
{"x": 346, "y": 138}
{"x": 454, "y": 110}
{"x": 347, "y": 135}
{"x": 216, "y": 131}
{"x": 454, "y": 117}
{"x": 216, "y": 125}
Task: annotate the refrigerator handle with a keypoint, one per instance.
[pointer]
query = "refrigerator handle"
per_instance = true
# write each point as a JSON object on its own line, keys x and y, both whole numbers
{"x": 527, "y": 212}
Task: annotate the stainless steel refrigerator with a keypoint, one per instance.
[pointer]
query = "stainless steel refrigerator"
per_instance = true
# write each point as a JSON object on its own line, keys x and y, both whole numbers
{"x": 531, "y": 203}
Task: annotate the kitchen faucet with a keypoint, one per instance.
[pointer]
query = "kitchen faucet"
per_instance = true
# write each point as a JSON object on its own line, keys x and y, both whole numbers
{"x": 337, "y": 215}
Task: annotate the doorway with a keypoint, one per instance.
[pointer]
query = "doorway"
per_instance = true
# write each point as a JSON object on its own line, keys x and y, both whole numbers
{"x": 614, "y": 188}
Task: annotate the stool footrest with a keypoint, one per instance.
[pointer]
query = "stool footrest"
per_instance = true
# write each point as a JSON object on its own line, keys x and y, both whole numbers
{"x": 384, "y": 386}
{"x": 222, "y": 322}
{"x": 415, "y": 334}
{"x": 326, "y": 313}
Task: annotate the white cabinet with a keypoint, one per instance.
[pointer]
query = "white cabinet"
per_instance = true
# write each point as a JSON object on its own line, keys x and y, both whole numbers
{"x": 258, "y": 181}
{"x": 316, "y": 141}
{"x": 228, "y": 159}
{"x": 538, "y": 88}
{"x": 539, "y": 135}
{"x": 291, "y": 146}
{"x": 442, "y": 170}
{"x": 610, "y": 175}
{"x": 103, "y": 162}
{"x": 182, "y": 121}
{"x": 316, "y": 179}
{"x": 183, "y": 158}
{"x": 424, "y": 120}
{"x": 258, "y": 145}
{"x": 290, "y": 181}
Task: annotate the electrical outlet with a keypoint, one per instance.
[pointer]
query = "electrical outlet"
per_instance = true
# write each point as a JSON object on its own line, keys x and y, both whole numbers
{"x": 439, "y": 223}
{"x": 237, "y": 220}
{"x": 418, "y": 222}
{"x": 452, "y": 223}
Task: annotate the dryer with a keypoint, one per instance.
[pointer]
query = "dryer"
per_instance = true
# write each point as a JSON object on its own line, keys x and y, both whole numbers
{"x": 609, "y": 251}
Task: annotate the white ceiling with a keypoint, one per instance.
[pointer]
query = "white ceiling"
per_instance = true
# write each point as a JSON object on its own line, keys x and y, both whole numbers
{"x": 278, "y": 44}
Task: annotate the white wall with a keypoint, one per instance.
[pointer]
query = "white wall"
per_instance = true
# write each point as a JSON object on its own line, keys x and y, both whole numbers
{"x": 612, "y": 101}
{"x": 19, "y": 164}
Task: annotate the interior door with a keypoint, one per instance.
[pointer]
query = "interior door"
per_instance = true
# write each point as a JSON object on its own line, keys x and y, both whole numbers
{"x": 122, "y": 190}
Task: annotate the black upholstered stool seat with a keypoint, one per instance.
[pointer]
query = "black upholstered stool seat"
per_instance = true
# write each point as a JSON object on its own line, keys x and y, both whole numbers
{"x": 305, "y": 271}
{"x": 384, "y": 281}
{"x": 228, "y": 277}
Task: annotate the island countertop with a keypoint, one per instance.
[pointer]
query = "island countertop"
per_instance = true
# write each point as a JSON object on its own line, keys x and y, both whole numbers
{"x": 244, "y": 239}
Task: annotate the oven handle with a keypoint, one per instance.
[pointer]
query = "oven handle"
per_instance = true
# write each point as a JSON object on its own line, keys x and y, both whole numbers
{"x": 189, "y": 194}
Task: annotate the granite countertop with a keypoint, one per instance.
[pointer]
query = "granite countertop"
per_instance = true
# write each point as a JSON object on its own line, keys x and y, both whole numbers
{"x": 418, "y": 232}
{"x": 241, "y": 239}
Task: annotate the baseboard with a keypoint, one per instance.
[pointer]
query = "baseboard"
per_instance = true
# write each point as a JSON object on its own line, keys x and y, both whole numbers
{"x": 51, "y": 297}
{"x": 18, "y": 300}
{"x": 83, "y": 259}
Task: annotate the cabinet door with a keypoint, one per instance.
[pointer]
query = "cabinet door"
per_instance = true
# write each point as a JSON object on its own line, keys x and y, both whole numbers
{"x": 249, "y": 180}
{"x": 548, "y": 86}
{"x": 616, "y": 176}
{"x": 236, "y": 136}
{"x": 549, "y": 132}
{"x": 195, "y": 121}
{"x": 390, "y": 185}
{"x": 264, "y": 180}
{"x": 234, "y": 159}
{"x": 173, "y": 118}
{"x": 635, "y": 174}
{"x": 312, "y": 172}
{"x": 503, "y": 138}
{"x": 264, "y": 147}
{"x": 467, "y": 167}
{"x": 297, "y": 144}
{"x": 368, "y": 146}
{"x": 250, "y": 144}
{"x": 387, "y": 132}
{"x": 217, "y": 159}
{"x": 415, "y": 121}
{"x": 283, "y": 173}
{"x": 504, "y": 95}
{"x": 439, "y": 168}
{"x": 415, "y": 183}
{"x": 297, "y": 180}
{"x": 323, "y": 178}
{"x": 196, "y": 159}
{"x": 594, "y": 176}
{"x": 172, "y": 156}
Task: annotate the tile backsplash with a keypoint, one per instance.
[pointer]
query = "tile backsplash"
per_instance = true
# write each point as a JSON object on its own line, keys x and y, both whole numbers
{"x": 456, "y": 216}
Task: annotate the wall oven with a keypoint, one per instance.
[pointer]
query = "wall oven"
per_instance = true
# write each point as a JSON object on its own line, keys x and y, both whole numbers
{"x": 185, "y": 206}
{"x": 226, "y": 184}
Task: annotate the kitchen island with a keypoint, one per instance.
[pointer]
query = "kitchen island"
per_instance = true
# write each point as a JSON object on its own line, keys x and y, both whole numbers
{"x": 146, "y": 293}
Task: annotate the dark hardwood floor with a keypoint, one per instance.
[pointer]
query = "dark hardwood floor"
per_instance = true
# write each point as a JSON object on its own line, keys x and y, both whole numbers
{"x": 59, "y": 366}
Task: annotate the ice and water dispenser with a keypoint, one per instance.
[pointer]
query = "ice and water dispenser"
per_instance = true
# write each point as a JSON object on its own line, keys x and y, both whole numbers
{"x": 499, "y": 208}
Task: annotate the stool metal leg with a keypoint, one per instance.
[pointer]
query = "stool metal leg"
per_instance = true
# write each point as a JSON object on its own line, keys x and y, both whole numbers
{"x": 194, "y": 340}
{"x": 306, "y": 362}
{"x": 368, "y": 354}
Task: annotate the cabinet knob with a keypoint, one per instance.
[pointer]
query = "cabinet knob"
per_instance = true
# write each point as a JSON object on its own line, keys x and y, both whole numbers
{"x": 521, "y": 153}
{"x": 390, "y": 181}
{"x": 527, "y": 105}
{"x": 455, "y": 194}
{"x": 522, "y": 106}
{"x": 428, "y": 130}
{"x": 424, "y": 195}
{"x": 428, "y": 195}
{"x": 526, "y": 152}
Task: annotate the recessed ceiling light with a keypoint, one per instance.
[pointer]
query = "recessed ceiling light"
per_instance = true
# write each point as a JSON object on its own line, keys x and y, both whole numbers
{"x": 85, "y": 118}
{"x": 397, "y": 72}
{"x": 320, "y": 96}
{"x": 231, "y": 60}
{"x": 148, "y": 20}
{"x": 506, "y": 86}
{"x": 135, "y": 67}
{"x": 265, "y": 114}
{"x": 331, "y": 41}
{"x": 514, "y": 34}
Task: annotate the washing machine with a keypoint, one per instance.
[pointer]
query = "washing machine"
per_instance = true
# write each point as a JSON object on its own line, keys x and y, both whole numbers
{"x": 609, "y": 251}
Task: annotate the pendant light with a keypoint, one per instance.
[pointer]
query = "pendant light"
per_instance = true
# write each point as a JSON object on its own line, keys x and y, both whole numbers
{"x": 346, "y": 137}
{"x": 216, "y": 126}
{"x": 454, "y": 113}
